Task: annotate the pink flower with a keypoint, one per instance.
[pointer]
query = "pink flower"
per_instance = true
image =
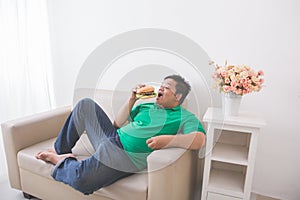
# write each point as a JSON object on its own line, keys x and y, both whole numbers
{"x": 249, "y": 90}
{"x": 261, "y": 81}
{"x": 246, "y": 85}
{"x": 233, "y": 84}
{"x": 260, "y": 73}
{"x": 259, "y": 87}
{"x": 224, "y": 73}
{"x": 243, "y": 80}
{"x": 252, "y": 73}
{"x": 226, "y": 88}
{"x": 227, "y": 80}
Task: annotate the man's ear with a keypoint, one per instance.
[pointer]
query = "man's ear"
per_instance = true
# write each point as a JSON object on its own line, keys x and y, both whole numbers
{"x": 178, "y": 96}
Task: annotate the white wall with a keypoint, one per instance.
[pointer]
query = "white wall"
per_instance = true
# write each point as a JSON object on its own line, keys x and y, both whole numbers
{"x": 262, "y": 34}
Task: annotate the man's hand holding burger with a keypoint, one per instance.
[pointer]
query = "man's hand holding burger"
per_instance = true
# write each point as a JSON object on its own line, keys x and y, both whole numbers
{"x": 134, "y": 91}
{"x": 141, "y": 91}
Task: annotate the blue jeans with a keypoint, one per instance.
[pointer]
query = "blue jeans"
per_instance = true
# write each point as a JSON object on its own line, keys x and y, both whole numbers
{"x": 108, "y": 164}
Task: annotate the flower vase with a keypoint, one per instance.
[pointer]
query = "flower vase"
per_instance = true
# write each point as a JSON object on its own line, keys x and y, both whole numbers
{"x": 231, "y": 104}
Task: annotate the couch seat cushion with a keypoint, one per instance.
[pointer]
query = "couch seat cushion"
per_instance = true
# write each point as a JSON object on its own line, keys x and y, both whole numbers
{"x": 133, "y": 187}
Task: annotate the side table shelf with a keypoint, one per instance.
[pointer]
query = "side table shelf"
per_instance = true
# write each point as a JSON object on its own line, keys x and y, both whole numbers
{"x": 230, "y": 155}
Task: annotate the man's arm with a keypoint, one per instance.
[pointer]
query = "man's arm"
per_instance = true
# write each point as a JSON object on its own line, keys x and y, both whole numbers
{"x": 124, "y": 112}
{"x": 192, "y": 141}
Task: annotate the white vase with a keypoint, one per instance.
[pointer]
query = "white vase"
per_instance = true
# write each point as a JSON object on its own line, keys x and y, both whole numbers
{"x": 231, "y": 103}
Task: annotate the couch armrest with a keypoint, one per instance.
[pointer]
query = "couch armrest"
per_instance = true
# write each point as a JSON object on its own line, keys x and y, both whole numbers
{"x": 21, "y": 133}
{"x": 171, "y": 174}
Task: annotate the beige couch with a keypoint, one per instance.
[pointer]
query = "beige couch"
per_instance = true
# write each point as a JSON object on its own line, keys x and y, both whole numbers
{"x": 173, "y": 173}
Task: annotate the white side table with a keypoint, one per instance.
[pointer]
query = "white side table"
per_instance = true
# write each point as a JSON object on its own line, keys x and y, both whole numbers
{"x": 230, "y": 155}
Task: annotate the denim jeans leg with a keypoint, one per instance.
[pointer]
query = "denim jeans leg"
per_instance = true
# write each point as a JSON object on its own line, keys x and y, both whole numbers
{"x": 86, "y": 116}
{"x": 87, "y": 175}
{"x": 95, "y": 122}
{"x": 67, "y": 137}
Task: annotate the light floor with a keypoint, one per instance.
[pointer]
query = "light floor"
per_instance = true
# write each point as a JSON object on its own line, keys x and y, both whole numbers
{"x": 11, "y": 194}
{"x": 7, "y": 193}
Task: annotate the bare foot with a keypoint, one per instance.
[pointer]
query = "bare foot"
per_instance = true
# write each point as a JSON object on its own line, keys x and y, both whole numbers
{"x": 52, "y": 157}
{"x": 51, "y": 150}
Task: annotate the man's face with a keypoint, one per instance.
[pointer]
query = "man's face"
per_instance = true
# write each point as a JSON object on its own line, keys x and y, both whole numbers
{"x": 166, "y": 97}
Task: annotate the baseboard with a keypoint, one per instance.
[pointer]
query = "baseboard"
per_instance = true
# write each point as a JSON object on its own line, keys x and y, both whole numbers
{"x": 265, "y": 194}
{"x": 253, "y": 196}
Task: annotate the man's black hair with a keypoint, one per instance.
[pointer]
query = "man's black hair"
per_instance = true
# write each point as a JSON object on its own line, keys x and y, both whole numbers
{"x": 182, "y": 86}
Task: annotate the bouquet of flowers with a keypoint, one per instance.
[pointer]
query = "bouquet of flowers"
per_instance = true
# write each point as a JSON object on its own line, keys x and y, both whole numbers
{"x": 237, "y": 79}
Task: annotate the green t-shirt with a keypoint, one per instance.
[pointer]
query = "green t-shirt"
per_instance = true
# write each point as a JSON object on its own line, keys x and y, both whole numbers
{"x": 149, "y": 120}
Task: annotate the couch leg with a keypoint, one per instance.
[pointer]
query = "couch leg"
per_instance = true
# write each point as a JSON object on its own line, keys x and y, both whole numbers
{"x": 27, "y": 196}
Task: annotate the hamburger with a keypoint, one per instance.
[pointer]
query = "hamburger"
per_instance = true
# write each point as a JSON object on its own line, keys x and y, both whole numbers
{"x": 145, "y": 92}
